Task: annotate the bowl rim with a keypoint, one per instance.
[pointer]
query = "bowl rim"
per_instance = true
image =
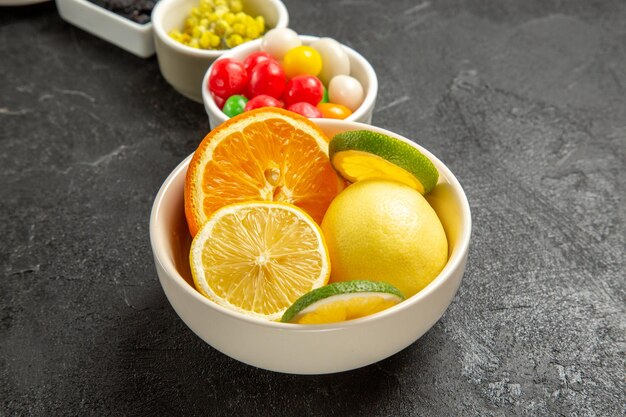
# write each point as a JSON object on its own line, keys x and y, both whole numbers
{"x": 454, "y": 262}
{"x": 368, "y": 100}
{"x": 159, "y": 30}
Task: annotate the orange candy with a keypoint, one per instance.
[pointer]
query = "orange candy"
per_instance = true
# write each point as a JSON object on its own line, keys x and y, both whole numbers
{"x": 334, "y": 111}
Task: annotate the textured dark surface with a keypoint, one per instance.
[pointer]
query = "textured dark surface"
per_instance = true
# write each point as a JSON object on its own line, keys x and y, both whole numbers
{"x": 524, "y": 100}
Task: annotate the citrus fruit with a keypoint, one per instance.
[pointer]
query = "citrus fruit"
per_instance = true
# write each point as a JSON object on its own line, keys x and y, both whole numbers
{"x": 341, "y": 301}
{"x": 268, "y": 154}
{"x": 384, "y": 230}
{"x": 258, "y": 258}
{"x": 363, "y": 154}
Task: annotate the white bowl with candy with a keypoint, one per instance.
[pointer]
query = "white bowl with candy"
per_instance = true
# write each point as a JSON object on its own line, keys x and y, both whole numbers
{"x": 183, "y": 64}
{"x": 313, "y": 76}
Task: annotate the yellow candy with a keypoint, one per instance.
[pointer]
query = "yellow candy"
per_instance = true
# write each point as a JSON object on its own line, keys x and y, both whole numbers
{"x": 239, "y": 28}
{"x": 236, "y": 6}
{"x": 234, "y": 40}
{"x": 252, "y": 32}
{"x": 205, "y": 40}
{"x": 260, "y": 24}
{"x": 229, "y": 18}
{"x": 196, "y": 32}
{"x": 215, "y": 41}
{"x": 222, "y": 28}
{"x": 218, "y": 24}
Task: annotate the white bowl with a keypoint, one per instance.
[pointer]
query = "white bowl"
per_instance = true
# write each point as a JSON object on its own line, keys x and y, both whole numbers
{"x": 113, "y": 28}
{"x": 360, "y": 69}
{"x": 308, "y": 349}
{"x": 182, "y": 66}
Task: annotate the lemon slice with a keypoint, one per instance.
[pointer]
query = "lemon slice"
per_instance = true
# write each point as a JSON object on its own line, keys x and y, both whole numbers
{"x": 362, "y": 154}
{"x": 342, "y": 301}
{"x": 257, "y": 258}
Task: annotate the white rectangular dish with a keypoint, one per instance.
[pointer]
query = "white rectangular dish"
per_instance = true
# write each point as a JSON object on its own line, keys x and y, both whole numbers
{"x": 134, "y": 37}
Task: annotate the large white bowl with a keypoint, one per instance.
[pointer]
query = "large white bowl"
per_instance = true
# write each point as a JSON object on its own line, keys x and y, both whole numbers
{"x": 308, "y": 349}
{"x": 183, "y": 66}
{"x": 360, "y": 68}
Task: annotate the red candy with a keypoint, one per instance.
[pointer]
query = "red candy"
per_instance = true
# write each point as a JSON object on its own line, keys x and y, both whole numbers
{"x": 267, "y": 78}
{"x": 262, "y": 80}
{"x": 255, "y": 58}
{"x": 304, "y": 88}
{"x": 228, "y": 77}
{"x": 263, "y": 101}
{"x": 218, "y": 100}
{"x": 305, "y": 109}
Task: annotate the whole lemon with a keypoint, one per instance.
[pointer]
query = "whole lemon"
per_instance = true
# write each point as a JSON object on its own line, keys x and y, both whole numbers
{"x": 384, "y": 230}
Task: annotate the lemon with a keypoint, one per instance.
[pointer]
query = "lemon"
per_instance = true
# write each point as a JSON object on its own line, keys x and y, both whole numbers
{"x": 258, "y": 258}
{"x": 384, "y": 230}
{"x": 363, "y": 154}
{"x": 342, "y": 301}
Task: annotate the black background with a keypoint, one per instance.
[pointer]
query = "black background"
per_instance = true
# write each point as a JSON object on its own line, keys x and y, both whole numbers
{"x": 523, "y": 100}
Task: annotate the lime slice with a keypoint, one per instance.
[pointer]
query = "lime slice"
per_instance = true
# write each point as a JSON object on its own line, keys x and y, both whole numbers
{"x": 340, "y": 301}
{"x": 362, "y": 154}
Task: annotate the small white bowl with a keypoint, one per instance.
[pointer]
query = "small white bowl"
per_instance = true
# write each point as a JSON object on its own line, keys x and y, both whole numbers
{"x": 360, "y": 69}
{"x": 308, "y": 349}
{"x": 105, "y": 24}
{"x": 182, "y": 66}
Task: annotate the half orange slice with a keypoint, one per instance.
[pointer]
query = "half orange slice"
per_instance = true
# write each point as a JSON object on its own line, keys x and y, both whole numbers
{"x": 268, "y": 154}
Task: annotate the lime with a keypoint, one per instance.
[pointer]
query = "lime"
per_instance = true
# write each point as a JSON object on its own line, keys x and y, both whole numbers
{"x": 363, "y": 154}
{"x": 342, "y": 301}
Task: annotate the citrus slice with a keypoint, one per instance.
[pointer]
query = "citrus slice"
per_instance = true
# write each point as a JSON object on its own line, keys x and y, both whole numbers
{"x": 363, "y": 154}
{"x": 257, "y": 258}
{"x": 268, "y": 154}
{"x": 342, "y": 301}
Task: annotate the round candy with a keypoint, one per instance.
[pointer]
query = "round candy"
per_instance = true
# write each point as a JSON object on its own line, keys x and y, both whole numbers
{"x": 219, "y": 101}
{"x": 325, "y": 96}
{"x": 334, "y": 57}
{"x": 334, "y": 111}
{"x": 302, "y": 60}
{"x": 278, "y": 41}
{"x": 228, "y": 77}
{"x": 345, "y": 90}
{"x": 234, "y": 105}
{"x": 254, "y": 58}
{"x": 263, "y": 101}
{"x": 305, "y": 88}
{"x": 267, "y": 78}
{"x": 305, "y": 109}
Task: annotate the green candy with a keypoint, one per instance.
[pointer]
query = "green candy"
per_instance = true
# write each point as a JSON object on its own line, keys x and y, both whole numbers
{"x": 325, "y": 96}
{"x": 234, "y": 105}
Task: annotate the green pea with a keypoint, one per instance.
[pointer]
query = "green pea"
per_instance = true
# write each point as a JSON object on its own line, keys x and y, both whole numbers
{"x": 234, "y": 105}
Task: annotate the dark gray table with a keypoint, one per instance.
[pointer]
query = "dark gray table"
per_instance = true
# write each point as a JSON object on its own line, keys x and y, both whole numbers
{"x": 524, "y": 100}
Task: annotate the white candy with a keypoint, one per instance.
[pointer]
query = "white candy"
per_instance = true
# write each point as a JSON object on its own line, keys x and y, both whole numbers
{"x": 278, "y": 41}
{"x": 335, "y": 60}
{"x": 345, "y": 90}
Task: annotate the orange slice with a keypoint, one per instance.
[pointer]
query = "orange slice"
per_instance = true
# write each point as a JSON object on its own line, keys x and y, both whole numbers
{"x": 258, "y": 258}
{"x": 268, "y": 154}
